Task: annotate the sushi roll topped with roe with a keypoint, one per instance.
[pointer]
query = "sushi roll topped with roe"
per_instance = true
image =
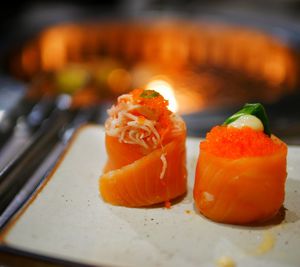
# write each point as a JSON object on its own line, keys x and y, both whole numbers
{"x": 145, "y": 144}
{"x": 241, "y": 170}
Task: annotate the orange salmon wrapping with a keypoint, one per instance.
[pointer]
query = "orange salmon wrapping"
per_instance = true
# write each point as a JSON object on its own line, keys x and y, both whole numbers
{"x": 144, "y": 171}
{"x": 245, "y": 188}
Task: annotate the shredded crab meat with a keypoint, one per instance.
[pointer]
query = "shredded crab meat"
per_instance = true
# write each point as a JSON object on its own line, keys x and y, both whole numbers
{"x": 164, "y": 165}
{"x": 131, "y": 129}
{"x": 127, "y": 126}
{"x": 177, "y": 123}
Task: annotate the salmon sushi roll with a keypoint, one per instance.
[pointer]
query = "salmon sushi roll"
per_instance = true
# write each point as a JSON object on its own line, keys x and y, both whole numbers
{"x": 241, "y": 170}
{"x": 145, "y": 144}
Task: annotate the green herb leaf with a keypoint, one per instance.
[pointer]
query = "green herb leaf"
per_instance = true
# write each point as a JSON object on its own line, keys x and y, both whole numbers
{"x": 149, "y": 94}
{"x": 256, "y": 110}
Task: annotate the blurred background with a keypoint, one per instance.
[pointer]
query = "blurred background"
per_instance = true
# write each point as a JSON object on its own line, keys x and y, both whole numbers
{"x": 63, "y": 63}
{"x": 209, "y": 57}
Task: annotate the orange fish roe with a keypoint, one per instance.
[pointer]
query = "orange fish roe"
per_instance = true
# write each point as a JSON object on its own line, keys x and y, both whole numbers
{"x": 168, "y": 204}
{"x": 230, "y": 142}
{"x": 156, "y": 103}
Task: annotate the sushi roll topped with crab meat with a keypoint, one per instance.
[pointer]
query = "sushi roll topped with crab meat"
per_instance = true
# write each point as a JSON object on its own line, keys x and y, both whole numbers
{"x": 145, "y": 144}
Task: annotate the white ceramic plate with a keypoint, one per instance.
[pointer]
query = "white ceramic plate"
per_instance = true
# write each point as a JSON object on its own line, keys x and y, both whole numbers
{"x": 68, "y": 220}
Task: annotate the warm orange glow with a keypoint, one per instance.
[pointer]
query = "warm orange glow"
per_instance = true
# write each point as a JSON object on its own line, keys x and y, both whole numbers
{"x": 166, "y": 90}
{"x": 53, "y": 50}
{"x": 171, "y": 45}
{"x": 119, "y": 81}
{"x": 275, "y": 69}
{"x": 190, "y": 101}
{"x": 206, "y": 64}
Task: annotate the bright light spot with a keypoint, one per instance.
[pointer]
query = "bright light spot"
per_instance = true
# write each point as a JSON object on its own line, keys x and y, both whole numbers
{"x": 166, "y": 90}
{"x": 2, "y": 112}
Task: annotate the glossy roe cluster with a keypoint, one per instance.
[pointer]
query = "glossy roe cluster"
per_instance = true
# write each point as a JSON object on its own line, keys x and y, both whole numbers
{"x": 155, "y": 108}
{"x": 230, "y": 142}
{"x": 150, "y": 99}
